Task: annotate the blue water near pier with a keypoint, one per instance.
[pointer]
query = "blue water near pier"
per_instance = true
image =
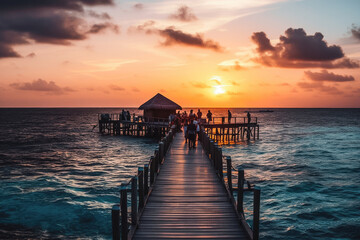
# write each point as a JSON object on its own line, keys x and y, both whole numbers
{"x": 59, "y": 178}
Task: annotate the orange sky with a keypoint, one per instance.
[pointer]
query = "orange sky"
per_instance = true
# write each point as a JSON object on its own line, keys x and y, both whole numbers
{"x": 197, "y": 53}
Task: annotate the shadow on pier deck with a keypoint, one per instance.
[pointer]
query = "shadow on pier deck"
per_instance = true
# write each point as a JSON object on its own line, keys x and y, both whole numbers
{"x": 188, "y": 199}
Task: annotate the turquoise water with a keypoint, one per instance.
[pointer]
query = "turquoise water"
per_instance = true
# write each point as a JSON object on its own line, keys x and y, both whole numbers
{"x": 59, "y": 178}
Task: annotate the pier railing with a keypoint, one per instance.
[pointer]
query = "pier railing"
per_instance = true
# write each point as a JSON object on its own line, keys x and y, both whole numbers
{"x": 131, "y": 118}
{"x": 221, "y": 163}
{"x": 232, "y": 120}
{"x": 124, "y": 219}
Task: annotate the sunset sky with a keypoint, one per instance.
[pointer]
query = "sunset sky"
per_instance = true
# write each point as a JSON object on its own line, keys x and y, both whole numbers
{"x": 225, "y": 53}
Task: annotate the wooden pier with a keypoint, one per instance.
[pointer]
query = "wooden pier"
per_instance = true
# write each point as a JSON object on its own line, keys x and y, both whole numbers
{"x": 233, "y": 130}
{"x": 134, "y": 126}
{"x": 191, "y": 197}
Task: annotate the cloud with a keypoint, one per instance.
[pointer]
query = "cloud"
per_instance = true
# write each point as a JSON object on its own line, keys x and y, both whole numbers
{"x": 200, "y": 85}
{"x": 76, "y": 5}
{"x": 138, "y": 6}
{"x": 184, "y": 14}
{"x": 31, "y": 55}
{"x": 298, "y": 50}
{"x": 233, "y": 66}
{"x": 134, "y": 89}
{"x": 103, "y": 16}
{"x": 319, "y": 86}
{"x": 116, "y": 88}
{"x": 325, "y": 76}
{"x": 173, "y": 36}
{"x": 101, "y": 27}
{"x": 41, "y": 86}
{"x": 54, "y": 22}
{"x": 355, "y": 31}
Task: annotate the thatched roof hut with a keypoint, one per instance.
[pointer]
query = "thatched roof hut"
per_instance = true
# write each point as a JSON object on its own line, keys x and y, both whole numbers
{"x": 159, "y": 107}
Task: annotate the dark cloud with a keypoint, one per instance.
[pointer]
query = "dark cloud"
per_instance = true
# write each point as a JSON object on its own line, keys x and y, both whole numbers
{"x": 260, "y": 39}
{"x": 298, "y": 50}
{"x": 103, "y": 16}
{"x": 101, "y": 27}
{"x": 319, "y": 86}
{"x": 41, "y": 86}
{"x": 173, "y": 36}
{"x": 31, "y": 55}
{"x": 325, "y": 76}
{"x": 138, "y": 6}
{"x": 355, "y": 31}
{"x": 45, "y": 21}
{"x": 184, "y": 14}
{"x": 76, "y": 5}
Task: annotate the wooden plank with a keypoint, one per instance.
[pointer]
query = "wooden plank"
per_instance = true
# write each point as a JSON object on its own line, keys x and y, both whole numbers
{"x": 188, "y": 200}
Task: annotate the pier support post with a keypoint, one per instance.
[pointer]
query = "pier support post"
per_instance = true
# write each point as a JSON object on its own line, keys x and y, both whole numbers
{"x": 146, "y": 179}
{"x": 229, "y": 173}
{"x": 256, "y": 213}
{"x": 134, "y": 200}
{"x": 240, "y": 195}
{"x": 115, "y": 217}
{"x": 141, "y": 187}
{"x": 152, "y": 170}
{"x": 123, "y": 208}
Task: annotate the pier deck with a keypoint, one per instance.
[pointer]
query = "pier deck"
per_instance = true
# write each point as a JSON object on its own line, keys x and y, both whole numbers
{"x": 188, "y": 200}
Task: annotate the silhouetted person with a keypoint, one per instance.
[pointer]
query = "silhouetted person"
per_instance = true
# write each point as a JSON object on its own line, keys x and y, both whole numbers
{"x": 191, "y": 134}
{"x": 229, "y": 116}
{"x": 249, "y": 117}
{"x": 209, "y": 116}
{"x": 199, "y": 114}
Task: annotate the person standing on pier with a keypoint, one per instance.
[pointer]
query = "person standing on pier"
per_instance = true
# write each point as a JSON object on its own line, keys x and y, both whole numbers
{"x": 249, "y": 117}
{"x": 191, "y": 134}
{"x": 199, "y": 115}
{"x": 229, "y": 116}
{"x": 186, "y": 131}
{"x": 209, "y": 116}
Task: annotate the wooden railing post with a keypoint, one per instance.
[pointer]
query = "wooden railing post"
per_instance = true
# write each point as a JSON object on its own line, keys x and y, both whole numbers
{"x": 229, "y": 173}
{"x": 141, "y": 187}
{"x": 220, "y": 162}
{"x": 216, "y": 157}
{"x": 240, "y": 195}
{"x": 152, "y": 170}
{"x": 134, "y": 208}
{"x": 123, "y": 209}
{"x": 256, "y": 213}
{"x": 115, "y": 217}
{"x": 146, "y": 179}
{"x": 157, "y": 160}
{"x": 161, "y": 152}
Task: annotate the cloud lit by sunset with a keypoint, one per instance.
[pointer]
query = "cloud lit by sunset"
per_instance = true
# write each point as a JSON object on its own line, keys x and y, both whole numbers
{"x": 273, "y": 53}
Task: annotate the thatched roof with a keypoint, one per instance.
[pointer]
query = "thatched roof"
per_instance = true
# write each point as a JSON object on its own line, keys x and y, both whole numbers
{"x": 161, "y": 103}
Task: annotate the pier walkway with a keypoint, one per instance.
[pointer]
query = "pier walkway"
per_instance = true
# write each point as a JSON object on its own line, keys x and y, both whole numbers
{"x": 188, "y": 200}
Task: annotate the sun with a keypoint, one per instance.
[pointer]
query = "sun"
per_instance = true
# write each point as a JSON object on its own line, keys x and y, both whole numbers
{"x": 219, "y": 90}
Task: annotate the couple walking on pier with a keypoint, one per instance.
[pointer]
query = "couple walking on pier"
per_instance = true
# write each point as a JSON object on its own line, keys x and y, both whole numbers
{"x": 191, "y": 129}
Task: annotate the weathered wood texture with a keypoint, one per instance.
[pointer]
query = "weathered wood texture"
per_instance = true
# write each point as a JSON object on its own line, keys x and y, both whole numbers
{"x": 188, "y": 200}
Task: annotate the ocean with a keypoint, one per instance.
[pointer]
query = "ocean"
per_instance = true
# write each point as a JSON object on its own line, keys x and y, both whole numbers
{"x": 60, "y": 177}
